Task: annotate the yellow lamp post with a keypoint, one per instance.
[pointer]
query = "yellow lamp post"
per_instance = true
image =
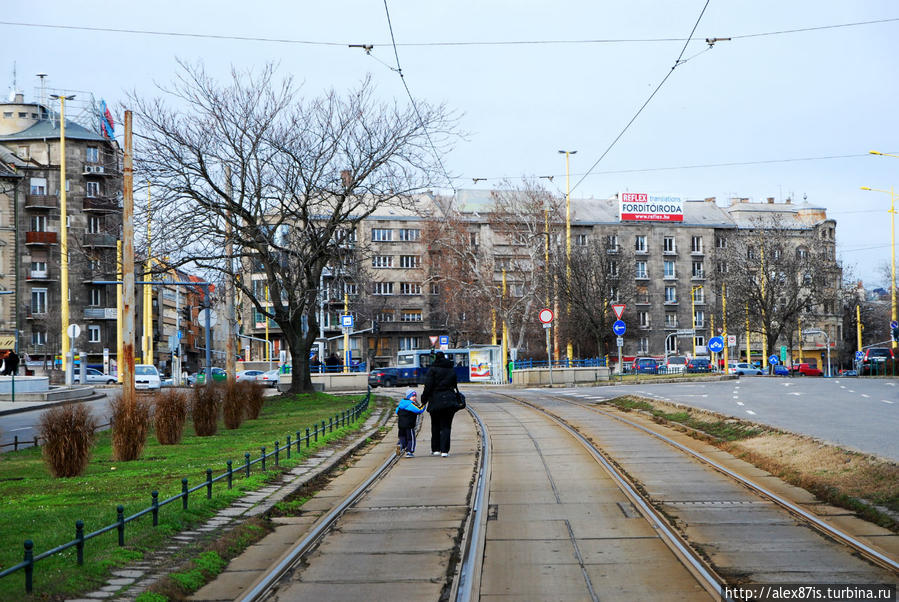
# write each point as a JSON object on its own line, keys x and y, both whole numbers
{"x": 892, "y": 213}
{"x": 63, "y": 231}
{"x": 568, "y": 154}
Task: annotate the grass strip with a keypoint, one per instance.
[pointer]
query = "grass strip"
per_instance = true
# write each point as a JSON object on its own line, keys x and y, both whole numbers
{"x": 34, "y": 505}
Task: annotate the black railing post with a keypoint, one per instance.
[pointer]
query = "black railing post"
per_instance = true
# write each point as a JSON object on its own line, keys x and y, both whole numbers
{"x": 154, "y": 504}
{"x": 15, "y": 443}
{"x": 35, "y": 440}
{"x": 299, "y": 440}
{"x": 307, "y": 437}
{"x": 208, "y": 483}
{"x": 230, "y": 474}
{"x": 263, "y": 459}
{"x": 276, "y": 454}
{"x": 120, "y": 519}
{"x": 315, "y": 433}
{"x": 287, "y": 447}
{"x": 79, "y": 537}
{"x": 330, "y": 425}
{"x": 184, "y": 494}
{"x": 323, "y": 429}
{"x": 29, "y": 568}
{"x": 247, "y": 457}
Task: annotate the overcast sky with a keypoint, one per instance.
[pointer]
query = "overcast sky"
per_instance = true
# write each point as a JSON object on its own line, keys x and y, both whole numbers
{"x": 770, "y": 107}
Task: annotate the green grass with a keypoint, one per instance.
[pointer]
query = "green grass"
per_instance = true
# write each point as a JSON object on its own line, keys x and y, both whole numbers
{"x": 726, "y": 430}
{"x": 36, "y": 506}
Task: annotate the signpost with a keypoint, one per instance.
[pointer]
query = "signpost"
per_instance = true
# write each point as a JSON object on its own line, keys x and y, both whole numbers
{"x": 73, "y": 331}
{"x": 619, "y": 328}
{"x": 731, "y": 340}
{"x": 546, "y": 317}
{"x": 618, "y": 309}
{"x": 444, "y": 342}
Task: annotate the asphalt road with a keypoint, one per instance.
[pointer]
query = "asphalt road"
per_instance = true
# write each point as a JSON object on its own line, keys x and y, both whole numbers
{"x": 25, "y": 424}
{"x": 856, "y": 413}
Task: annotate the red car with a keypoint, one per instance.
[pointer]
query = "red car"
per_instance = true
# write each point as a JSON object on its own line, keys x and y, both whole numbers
{"x": 806, "y": 370}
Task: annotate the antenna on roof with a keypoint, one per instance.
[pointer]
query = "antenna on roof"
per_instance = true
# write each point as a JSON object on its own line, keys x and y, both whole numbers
{"x": 43, "y": 90}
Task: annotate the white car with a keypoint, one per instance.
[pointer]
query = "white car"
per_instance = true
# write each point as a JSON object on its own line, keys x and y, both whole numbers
{"x": 146, "y": 376}
{"x": 269, "y": 378}
{"x": 92, "y": 376}
{"x": 250, "y": 375}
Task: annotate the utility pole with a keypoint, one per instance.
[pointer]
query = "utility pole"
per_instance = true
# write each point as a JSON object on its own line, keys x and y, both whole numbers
{"x": 119, "y": 314}
{"x": 127, "y": 359}
{"x": 724, "y": 326}
{"x": 230, "y": 362}
{"x": 147, "y": 347}
{"x": 63, "y": 235}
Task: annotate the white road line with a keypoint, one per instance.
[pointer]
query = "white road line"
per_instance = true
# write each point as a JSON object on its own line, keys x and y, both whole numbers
{"x": 887, "y": 401}
{"x": 750, "y": 412}
{"x": 796, "y": 393}
{"x": 890, "y": 384}
{"x": 740, "y": 403}
{"x": 842, "y": 386}
{"x": 851, "y": 391}
{"x": 26, "y": 428}
{"x": 863, "y": 395}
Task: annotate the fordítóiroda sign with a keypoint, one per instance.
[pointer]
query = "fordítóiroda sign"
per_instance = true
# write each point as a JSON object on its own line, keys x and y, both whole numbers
{"x": 641, "y": 207}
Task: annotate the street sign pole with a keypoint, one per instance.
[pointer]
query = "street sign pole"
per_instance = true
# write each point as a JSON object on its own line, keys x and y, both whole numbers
{"x": 549, "y": 357}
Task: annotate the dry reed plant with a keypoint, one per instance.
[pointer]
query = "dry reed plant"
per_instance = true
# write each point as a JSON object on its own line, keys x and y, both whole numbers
{"x": 254, "y": 397}
{"x": 233, "y": 400}
{"x": 130, "y": 427}
{"x": 170, "y": 415}
{"x": 68, "y": 435}
{"x": 207, "y": 399}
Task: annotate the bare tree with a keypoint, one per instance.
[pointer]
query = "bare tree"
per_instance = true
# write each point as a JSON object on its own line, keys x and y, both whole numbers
{"x": 303, "y": 173}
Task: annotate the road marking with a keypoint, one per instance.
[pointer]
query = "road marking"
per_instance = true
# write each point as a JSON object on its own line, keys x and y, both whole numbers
{"x": 842, "y": 386}
{"x": 787, "y": 384}
{"x": 887, "y": 401}
{"x": 851, "y": 391}
{"x": 26, "y": 428}
{"x": 796, "y": 393}
{"x": 750, "y": 412}
{"x": 890, "y": 384}
{"x": 863, "y": 395}
{"x": 740, "y": 403}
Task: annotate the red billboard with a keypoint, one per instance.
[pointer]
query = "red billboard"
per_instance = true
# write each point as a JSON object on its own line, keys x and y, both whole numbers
{"x": 642, "y": 207}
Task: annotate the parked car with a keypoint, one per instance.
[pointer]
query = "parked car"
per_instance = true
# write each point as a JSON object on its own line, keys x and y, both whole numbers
{"x": 877, "y": 360}
{"x": 268, "y": 378}
{"x": 645, "y": 365}
{"x": 383, "y": 377}
{"x": 805, "y": 369}
{"x": 699, "y": 364}
{"x": 848, "y": 373}
{"x": 92, "y": 376}
{"x": 218, "y": 376}
{"x": 781, "y": 370}
{"x": 744, "y": 369}
{"x": 675, "y": 364}
{"x": 146, "y": 377}
{"x": 250, "y": 375}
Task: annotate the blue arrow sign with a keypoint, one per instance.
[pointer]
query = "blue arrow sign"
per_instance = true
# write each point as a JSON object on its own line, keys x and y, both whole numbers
{"x": 894, "y": 324}
{"x": 859, "y": 356}
{"x": 618, "y": 327}
{"x": 773, "y": 360}
{"x": 716, "y": 344}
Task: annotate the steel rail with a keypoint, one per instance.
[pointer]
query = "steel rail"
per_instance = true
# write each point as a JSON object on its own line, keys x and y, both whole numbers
{"x": 700, "y": 570}
{"x": 871, "y": 554}
{"x": 474, "y": 545}
{"x": 264, "y": 583}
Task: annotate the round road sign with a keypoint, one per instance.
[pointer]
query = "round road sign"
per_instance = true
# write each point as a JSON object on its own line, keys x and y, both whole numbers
{"x": 73, "y": 331}
{"x": 618, "y": 327}
{"x": 716, "y": 344}
{"x": 546, "y": 316}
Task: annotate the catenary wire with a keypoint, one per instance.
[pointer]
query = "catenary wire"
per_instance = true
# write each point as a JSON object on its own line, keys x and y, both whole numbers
{"x": 648, "y": 100}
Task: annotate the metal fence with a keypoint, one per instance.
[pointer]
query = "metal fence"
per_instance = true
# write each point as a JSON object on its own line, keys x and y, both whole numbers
{"x": 311, "y": 435}
{"x": 592, "y": 362}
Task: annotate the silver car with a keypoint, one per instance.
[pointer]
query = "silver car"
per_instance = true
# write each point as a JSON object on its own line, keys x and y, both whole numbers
{"x": 93, "y": 376}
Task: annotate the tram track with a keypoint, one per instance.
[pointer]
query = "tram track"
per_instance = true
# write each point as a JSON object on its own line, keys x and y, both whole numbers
{"x": 667, "y": 512}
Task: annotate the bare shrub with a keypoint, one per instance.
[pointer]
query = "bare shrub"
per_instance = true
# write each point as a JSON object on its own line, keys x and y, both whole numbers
{"x": 169, "y": 415}
{"x": 233, "y": 400}
{"x": 130, "y": 427}
{"x": 68, "y": 435}
{"x": 254, "y": 397}
{"x": 205, "y": 409}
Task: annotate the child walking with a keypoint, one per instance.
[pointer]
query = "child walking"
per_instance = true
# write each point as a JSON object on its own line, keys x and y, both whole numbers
{"x": 407, "y": 414}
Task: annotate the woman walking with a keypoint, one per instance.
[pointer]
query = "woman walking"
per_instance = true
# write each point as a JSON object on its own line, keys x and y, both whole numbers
{"x": 440, "y": 395}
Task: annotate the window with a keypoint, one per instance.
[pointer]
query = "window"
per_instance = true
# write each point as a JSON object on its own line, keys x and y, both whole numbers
{"x": 383, "y": 288}
{"x": 23, "y": 114}
{"x": 410, "y": 261}
{"x": 39, "y": 223}
{"x": 91, "y": 154}
{"x": 410, "y": 288}
{"x": 409, "y": 343}
{"x": 38, "y": 269}
{"x": 94, "y": 224}
{"x": 643, "y": 316}
{"x": 473, "y": 239}
{"x": 410, "y": 234}
{"x": 696, "y": 244}
{"x": 697, "y": 269}
{"x": 38, "y": 186}
{"x": 750, "y": 253}
{"x": 93, "y": 333}
{"x": 385, "y": 316}
{"x": 643, "y": 346}
{"x": 668, "y": 244}
{"x": 613, "y": 294}
{"x": 435, "y": 288}
{"x": 698, "y": 295}
{"x": 670, "y": 320}
{"x": 613, "y": 269}
{"x": 699, "y": 340}
{"x": 39, "y": 337}
{"x": 7, "y": 114}
{"x": 410, "y": 315}
{"x": 381, "y": 234}
{"x": 722, "y": 267}
{"x": 700, "y": 318}
{"x": 611, "y": 241}
{"x": 640, "y": 244}
{"x": 516, "y": 290}
{"x": 801, "y": 253}
{"x": 642, "y": 295}
{"x": 641, "y": 270}
{"x": 580, "y": 240}
{"x": 720, "y": 242}
{"x": 94, "y": 264}
{"x": 24, "y": 152}
{"x": 38, "y": 300}
{"x": 92, "y": 189}
{"x": 670, "y": 345}
{"x": 96, "y": 295}
{"x": 346, "y": 236}
{"x": 669, "y": 269}
{"x": 382, "y": 261}
{"x": 350, "y": 288}
{"x": 670, "y": 294}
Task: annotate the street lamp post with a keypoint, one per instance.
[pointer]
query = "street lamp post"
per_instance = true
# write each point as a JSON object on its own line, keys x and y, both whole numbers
{"x": 63, "y": 233}
{"x": 568, "y": 154}
{"x": 892, "y": 213}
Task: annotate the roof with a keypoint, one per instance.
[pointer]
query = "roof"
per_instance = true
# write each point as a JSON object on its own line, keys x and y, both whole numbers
{"x": 9, "y": 162}
{"x": 49, "y": 128}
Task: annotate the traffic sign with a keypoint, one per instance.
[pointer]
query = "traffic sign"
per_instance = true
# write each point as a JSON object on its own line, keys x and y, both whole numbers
{"x": 773, "y": 360}
{"x": 546, "y": 316}
{"x": 619, "y": 328}
{"x": 620, "y": 341}
{"x": 444, "y": 341}
{"x": 783, "y": 354}
{"x": 346, "y": 320}
{"x": 73, "y": 331}
{"x": 433, "y": 340}
{"x": 618, "y": 309}
{"x": 179, "y": 335}
{"x": 731, "y": 340}
{"x": 687, "y": 332}
{"x": 716, "y": 344}
{"x": 859, "y": 356}
{"x": 894, "y": 324}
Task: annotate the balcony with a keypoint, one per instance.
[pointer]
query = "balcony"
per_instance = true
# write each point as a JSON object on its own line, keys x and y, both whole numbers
{"x": 641, "y": 276}
{"x": 99, "y": 313}
{"x": 698, "y": 276}
{"x": 101, "y": 204}
{"x": 37, "y": 275}
{"x": 40, "y": 238}
{"x": 697, "y": 253}
{"x": 642, "y": 300}
{"x": 99, "y": 240}
{"x": 672, "y": 302}
{"x": 96, "y": 169}
{"x": 41, "y": 201}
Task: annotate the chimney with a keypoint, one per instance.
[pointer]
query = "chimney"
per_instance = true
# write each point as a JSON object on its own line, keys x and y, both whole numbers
{"x": 346, "y": 178}
{"x": 770, "y": 200}
{"x": 788, "y": 201}
{"x": 710, "y": 199}
{"x": 20, "y": 98}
